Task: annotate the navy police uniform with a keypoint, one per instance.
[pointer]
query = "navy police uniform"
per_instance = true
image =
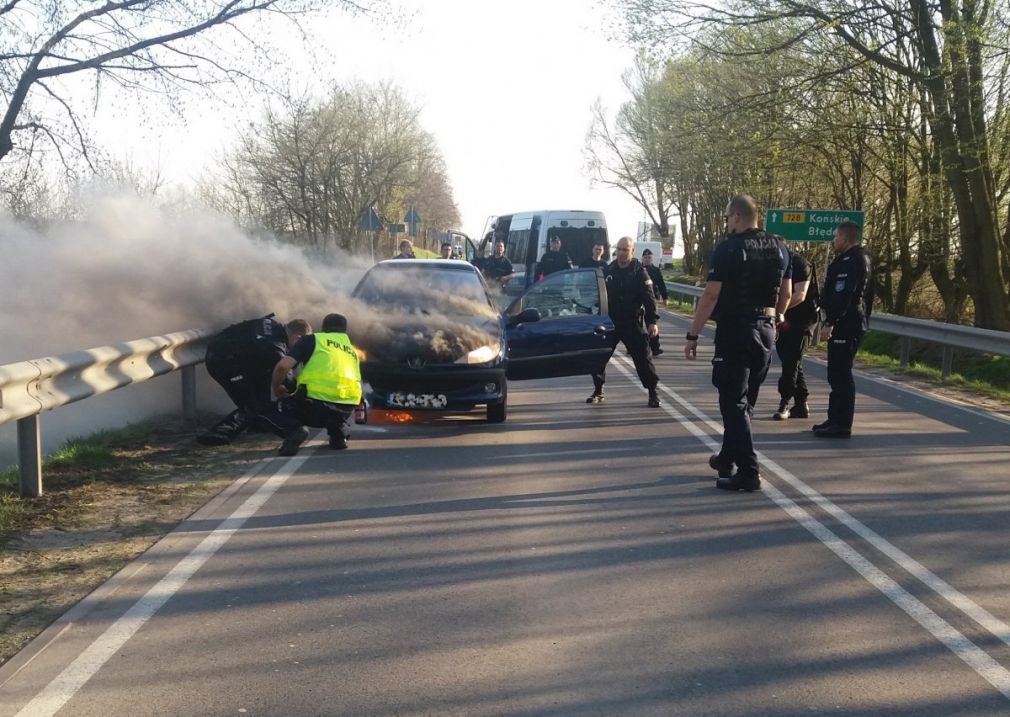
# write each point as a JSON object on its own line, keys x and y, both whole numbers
{"x": 553, "y": 261}
{"x": 847, "y": 300}
{"x": 793, "y": 339}
{"x": 631, "y": 307}
{"x": 751, "y": 266}
{"x": 658, "y": 292}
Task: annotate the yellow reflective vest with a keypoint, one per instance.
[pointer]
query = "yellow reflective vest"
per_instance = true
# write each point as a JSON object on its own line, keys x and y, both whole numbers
{"x": 332, "y": 373}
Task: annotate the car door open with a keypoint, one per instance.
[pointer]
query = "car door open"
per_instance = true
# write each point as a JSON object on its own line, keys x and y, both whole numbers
{"x": 560, "y": 327}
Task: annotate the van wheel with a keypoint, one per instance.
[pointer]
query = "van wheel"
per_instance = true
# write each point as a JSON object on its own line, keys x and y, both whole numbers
{"x": 496, "y": 412}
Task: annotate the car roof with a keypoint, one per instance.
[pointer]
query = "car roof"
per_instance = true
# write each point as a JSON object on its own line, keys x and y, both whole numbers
{"x": 433, "y": 263}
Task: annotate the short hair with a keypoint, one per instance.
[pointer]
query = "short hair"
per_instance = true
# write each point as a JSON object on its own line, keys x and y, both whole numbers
{"x": 600, "y": 242}
{"x": 446, "y": 244}
{"x": 556, "y": 238}
{"x": 335, "y": 323}
{"x": 849, "y": 231}
{"x": 298, "y": 326}
{"x": 744, "y": 205}
{"x": 405, "y": 241}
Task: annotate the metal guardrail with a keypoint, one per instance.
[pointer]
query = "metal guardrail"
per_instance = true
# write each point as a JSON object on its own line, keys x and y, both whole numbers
{"x": 28, "y": 388}
{"x": 950, "y": 336}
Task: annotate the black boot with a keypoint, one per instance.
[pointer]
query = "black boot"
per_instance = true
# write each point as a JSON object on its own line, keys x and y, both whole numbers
{"x": 654, "y": 401}
{"x": 723, "y": 468}
{"x": 801, "y": 410}
{"x": 738, "y": 483}
{"x": 596, "y": 397}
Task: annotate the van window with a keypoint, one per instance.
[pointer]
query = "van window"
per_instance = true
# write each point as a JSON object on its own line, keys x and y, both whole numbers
{"x": 578, "y": 242}
{"x": 515, "y": 247}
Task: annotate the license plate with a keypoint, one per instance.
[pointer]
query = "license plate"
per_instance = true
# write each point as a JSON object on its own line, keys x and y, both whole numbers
{"x": 416, "y": 400}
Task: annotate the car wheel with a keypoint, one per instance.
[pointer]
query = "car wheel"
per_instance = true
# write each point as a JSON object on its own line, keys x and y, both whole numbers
{"x": 497, "y": 411}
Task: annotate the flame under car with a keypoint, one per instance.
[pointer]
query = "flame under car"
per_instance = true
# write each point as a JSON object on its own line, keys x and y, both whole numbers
{"x": 436, "y": 340}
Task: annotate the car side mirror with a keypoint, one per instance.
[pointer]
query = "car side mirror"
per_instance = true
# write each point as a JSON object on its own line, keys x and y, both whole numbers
{"x": 526, "y": 316}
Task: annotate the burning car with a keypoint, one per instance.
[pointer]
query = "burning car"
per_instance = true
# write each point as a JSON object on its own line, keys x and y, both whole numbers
{"x": 434, "y": 339}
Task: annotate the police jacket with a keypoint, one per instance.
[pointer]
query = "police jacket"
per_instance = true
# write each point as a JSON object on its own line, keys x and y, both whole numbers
{"x": 751, "y": 266}
{"x": 332, "y": 372}
{"x": 495, "y": 267}
{"x": 629, "y": 294}
{"x": 553, "y": 261}
{"x": 848, "y": 293}
{"x": 658, "y": 284}
{"x": 593, "y": 264}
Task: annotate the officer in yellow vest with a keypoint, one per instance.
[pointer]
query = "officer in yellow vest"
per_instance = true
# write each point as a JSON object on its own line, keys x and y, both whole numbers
{"x": 329, "y": 387}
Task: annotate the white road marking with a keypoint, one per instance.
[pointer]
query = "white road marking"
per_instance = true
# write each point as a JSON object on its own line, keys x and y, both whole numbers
{"x": 976, "y": 658}
{"x": 63, "y": 687}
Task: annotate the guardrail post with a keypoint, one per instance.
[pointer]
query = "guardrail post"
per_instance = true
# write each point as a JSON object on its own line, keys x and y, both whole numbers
{"x": 30, "y": 456}
{"x": 905, "y": 350}
{"x": 948, "y": 361}
{"x": 189, "y": 393}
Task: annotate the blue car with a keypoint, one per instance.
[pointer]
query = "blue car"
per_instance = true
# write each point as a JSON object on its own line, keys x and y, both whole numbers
{"x": 439, "y": 342}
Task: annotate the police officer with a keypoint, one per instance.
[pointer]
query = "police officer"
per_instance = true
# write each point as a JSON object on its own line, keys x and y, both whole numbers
{"x": 658, "y": 291}
{"x": 241, "y": 358}
{"x": 848, "y": 301}
{"x": 596, "y": 261}
{"x": 553, "y": 259}
{"x": 498, "y": 269}
{"x": 794, "y": 335}
{"x": 749, "y": 285}
{"x": 328, "y": 389}
{"x": 630, "y": 300}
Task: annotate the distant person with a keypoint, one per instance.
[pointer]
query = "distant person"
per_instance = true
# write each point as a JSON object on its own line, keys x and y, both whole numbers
{"x": 848, "y": 301}
{"x": 630, "y": 301}
{"x": 406, "y": 250}
{"x": 498, "y": 269}
{"x": 553, "y": 259}
{"x": 792, "y": 339}
{"x": 328, "y": 387}
{"x": 658, "y": 290}
{"x": 748, "y": 289}
{"x": 597, "y": 260}
{"x": 241, "y": 359}
{"x": 445, "y": 251}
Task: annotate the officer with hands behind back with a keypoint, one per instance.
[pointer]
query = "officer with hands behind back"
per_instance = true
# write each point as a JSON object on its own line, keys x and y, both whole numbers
{"x": 629, "y": 301}
{"x": 748, "y": 288}
{"x": 658, "y": 291}
{"x": 848, "y": 300}
{"x": 596, "y": 261}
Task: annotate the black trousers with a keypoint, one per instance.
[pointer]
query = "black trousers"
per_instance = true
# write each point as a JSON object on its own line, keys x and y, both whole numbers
{"x": 842, "y": 399}
{"x": 790, "y": 346}
{"x": 293, "y": 412}
{"x": 246, "y": 380}
{"x": 743, "y": 351}
{"x": 636, "y": 340}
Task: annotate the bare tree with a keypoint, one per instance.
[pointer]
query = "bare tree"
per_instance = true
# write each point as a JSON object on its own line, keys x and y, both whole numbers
{"x": 161, "y": 45}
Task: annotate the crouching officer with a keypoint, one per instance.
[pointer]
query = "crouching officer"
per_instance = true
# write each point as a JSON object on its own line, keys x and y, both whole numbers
{"x": 749, "y": 286}
{"x": 328, "y": 388}
{"x": 629, "y": 301}
{"x": 241, "y": 359}
{"x": 848, "y": 301}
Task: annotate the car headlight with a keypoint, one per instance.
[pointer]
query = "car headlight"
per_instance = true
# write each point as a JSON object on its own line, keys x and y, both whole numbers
{"x": 483, "y": 354}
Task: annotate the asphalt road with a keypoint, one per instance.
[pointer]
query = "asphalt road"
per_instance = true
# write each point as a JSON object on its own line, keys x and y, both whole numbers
{"x": 576, "y": 560}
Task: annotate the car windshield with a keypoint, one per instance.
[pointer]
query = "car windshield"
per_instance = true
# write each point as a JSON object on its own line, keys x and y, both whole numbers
{"x": 426, "y": 289}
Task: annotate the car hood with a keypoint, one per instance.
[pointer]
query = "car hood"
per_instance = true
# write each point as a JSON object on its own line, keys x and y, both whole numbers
{"x": 419, "y": 339}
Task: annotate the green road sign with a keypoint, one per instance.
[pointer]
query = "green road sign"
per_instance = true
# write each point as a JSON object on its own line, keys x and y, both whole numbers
{"x": 808, "y": 224}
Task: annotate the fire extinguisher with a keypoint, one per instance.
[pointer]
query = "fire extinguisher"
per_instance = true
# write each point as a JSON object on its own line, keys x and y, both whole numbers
{"x": 361, "y": 412}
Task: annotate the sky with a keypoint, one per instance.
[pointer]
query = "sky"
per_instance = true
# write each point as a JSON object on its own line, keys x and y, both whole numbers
{"x": 505, "y": 87}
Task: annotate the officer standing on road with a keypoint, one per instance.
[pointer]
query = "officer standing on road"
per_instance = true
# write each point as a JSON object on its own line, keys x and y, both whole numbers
{"x": 498, "y": 269}
{"x": 596, "y": 261}
{"x": 553, "y": 259}
{"x": 794, "y": 335}
{"x": 848, "y": 301}
{"x": 629, "y": 301}
{"x": 748, "y": 288}
{"x": 658, "y": 291}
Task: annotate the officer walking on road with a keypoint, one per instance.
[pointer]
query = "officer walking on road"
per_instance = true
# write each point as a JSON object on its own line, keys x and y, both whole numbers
{"x": 658, "y": 291}
{"x": 748, "y": 288}
{"x": 794, "y": 334}
{"x": 630, "y": 301}
{"x": 848, "y": 301}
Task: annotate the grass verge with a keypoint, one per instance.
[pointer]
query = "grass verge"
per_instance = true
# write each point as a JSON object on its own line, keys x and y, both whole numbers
{"x": 107, "y": 498}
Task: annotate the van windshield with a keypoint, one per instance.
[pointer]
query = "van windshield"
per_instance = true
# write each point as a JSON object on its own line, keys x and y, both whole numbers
{"x": 578, "y": 242}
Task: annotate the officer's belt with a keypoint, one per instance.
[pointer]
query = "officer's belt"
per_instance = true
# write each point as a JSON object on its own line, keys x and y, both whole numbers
{"x": 759, "y": 313}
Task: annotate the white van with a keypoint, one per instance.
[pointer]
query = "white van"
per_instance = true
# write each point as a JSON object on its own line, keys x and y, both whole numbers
{"x": 526, "y": 236}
